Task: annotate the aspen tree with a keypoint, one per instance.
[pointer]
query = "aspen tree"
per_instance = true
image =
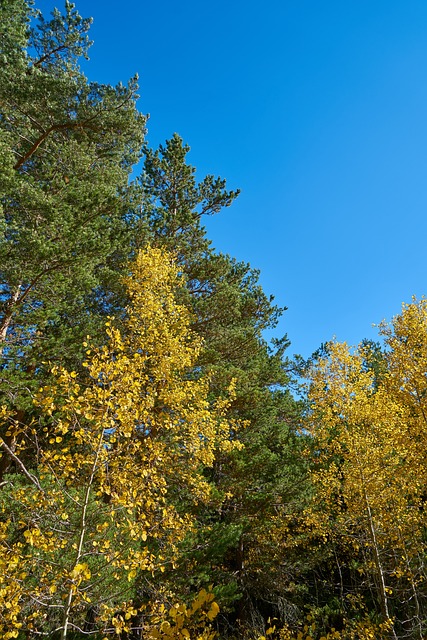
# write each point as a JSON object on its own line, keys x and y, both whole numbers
{"x": 99, "y": 510}
{"x": 369, "y": 450}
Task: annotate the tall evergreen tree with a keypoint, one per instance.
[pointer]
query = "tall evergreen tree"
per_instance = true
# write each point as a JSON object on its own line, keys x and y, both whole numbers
{"x": 67, "y": 147}
{"x": 264, "y": 479}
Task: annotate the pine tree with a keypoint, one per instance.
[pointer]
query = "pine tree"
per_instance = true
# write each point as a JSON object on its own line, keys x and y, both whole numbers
{"x": 262, "y": 481}
{"x": 67, "y": 147}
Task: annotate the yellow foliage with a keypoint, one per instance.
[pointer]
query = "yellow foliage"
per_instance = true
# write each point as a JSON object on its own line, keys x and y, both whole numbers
{"x": 118, "y": 447}
{"x": 353, "y": 630}
{"x": 182, "y": 622}
{"x": 368, "y": 430}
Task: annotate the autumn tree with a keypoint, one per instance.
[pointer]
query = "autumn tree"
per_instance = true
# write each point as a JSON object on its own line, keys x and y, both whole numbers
{"x": 99, "y": 511}
{"x": 368, "y": 441}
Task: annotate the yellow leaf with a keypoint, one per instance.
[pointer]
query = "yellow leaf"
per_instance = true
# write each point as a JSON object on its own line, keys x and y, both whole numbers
{"x": 213, "y": 611}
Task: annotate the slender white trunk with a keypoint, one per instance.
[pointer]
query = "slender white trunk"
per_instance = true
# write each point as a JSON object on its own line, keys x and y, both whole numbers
{"x": 83, "y": 528}
{"x": 413, "y": 589}
{"x": 377, "y": 556}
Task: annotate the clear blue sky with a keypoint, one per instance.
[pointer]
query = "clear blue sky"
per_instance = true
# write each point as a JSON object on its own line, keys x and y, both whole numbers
{"x": 317, "y": 111}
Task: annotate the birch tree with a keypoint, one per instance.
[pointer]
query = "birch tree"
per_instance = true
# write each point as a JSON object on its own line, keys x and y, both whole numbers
{"x": 101, "y": 508}
{"x": 369, "y": 474}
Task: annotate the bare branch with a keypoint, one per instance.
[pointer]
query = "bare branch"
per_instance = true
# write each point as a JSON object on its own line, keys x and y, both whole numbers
{"x": 20, "y": 464}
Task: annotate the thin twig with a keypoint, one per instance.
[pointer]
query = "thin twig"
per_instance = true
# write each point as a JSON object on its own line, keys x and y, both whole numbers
{"x": 26, "y": 473}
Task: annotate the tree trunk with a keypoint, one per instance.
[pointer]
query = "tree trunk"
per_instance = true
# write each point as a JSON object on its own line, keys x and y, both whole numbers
{"x": 10, "y": 309}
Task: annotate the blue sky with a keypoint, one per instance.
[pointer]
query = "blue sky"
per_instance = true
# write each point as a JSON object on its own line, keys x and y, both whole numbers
{"x": 317, "y": 111}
